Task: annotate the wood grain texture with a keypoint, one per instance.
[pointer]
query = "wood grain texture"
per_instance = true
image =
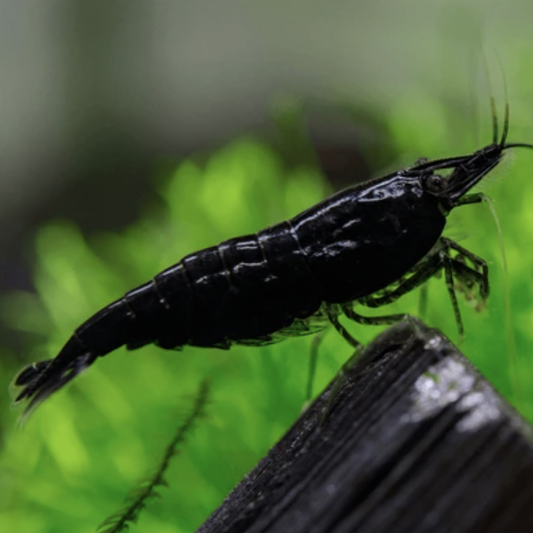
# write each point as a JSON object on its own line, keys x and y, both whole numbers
{"x": 412, "y": 439}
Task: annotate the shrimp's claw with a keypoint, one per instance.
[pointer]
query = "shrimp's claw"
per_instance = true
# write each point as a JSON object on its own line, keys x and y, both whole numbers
{"x": 39, "y": 380}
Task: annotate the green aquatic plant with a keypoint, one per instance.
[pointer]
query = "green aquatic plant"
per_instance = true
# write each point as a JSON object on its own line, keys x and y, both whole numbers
{"x": 148, "y": 488}
{"x": 89, "y": 443}
{"x": 109, "y": 424}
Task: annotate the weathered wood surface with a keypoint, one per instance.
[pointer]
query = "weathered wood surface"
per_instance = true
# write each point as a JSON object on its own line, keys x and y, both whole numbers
{"x": 414, "y": 440}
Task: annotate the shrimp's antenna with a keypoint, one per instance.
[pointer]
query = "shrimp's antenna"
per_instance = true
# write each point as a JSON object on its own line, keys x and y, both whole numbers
{"x": 494, "y": 121}
{"x": 505, "y": 124}
{"x": 517, "y": 384}
{"x": 506, "y": 97}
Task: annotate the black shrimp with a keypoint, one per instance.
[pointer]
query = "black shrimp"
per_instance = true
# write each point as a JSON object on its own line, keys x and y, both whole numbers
{"x": 368, "y": 244}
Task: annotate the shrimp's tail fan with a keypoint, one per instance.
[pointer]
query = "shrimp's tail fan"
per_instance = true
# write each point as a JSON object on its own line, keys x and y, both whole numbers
{"x": 41, "y": 379}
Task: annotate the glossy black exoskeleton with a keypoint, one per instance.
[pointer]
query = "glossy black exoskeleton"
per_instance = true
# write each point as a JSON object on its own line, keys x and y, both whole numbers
{"x": 368, "y": 244}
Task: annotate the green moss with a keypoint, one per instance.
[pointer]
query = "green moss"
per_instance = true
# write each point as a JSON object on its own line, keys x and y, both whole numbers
{"x": 88, "y": 445}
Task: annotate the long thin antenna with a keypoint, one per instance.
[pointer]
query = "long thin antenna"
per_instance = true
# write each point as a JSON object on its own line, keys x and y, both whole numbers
{"x": 494, "y": 121}
{"x": 517, "y": 384}
{"x": 493, "y": 113}
{"x": 517, "y": 145}
{"x": 505, "y": 124}
{"x": 506, "y": 97}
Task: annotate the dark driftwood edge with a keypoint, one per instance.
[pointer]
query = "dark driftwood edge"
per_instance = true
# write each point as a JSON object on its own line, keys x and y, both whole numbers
{"x": 414, "y": 440}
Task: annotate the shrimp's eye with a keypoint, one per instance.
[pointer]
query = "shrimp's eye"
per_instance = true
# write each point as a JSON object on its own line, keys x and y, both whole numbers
{"x": 436, "y": 184}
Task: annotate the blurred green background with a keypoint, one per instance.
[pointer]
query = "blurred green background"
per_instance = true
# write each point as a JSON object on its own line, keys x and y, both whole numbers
{"x": 135, "y": 133}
